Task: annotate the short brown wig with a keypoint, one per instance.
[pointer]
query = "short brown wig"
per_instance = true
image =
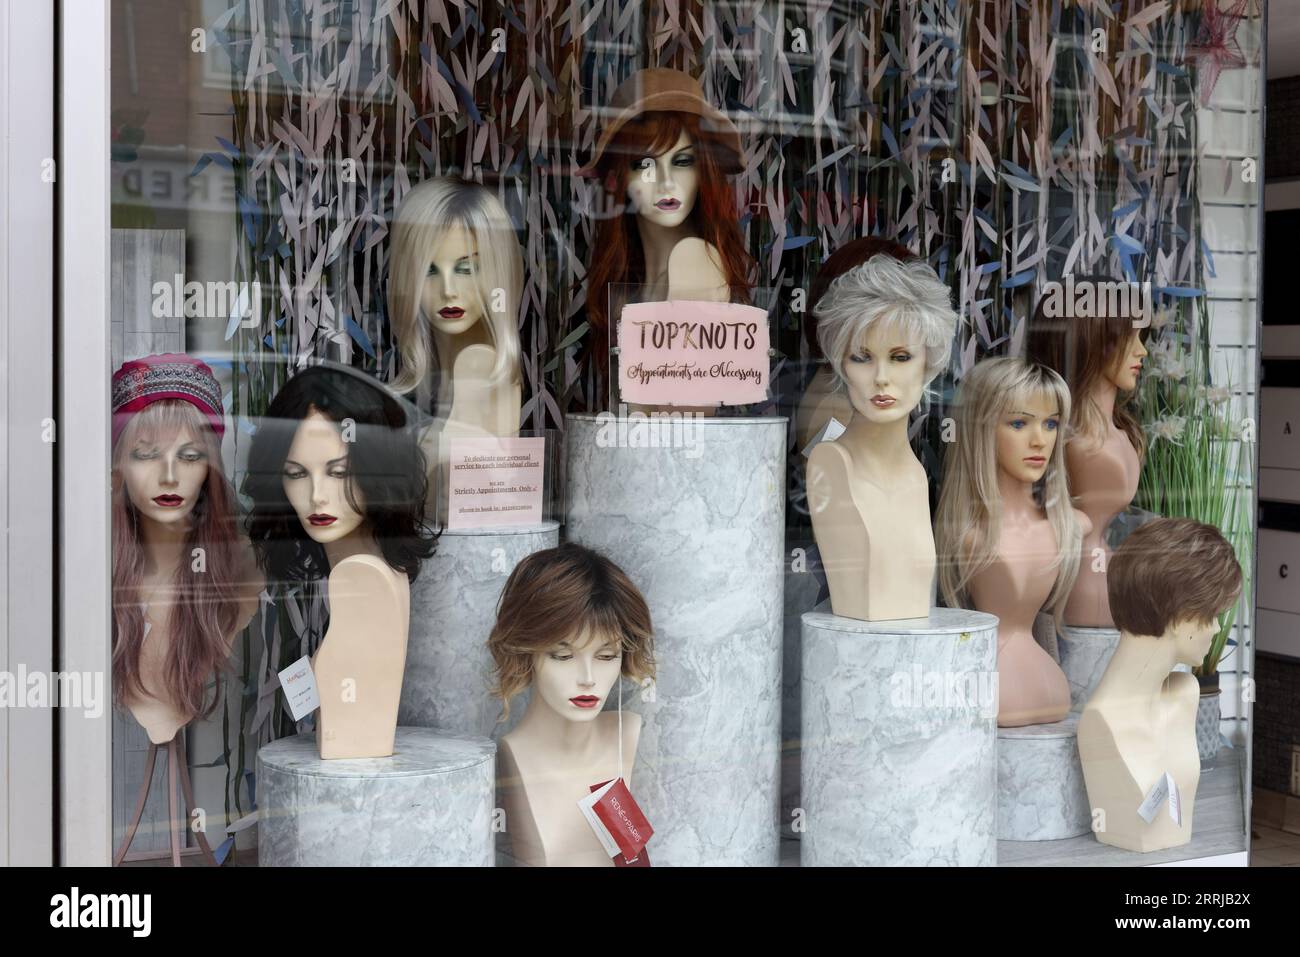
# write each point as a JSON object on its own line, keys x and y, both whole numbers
{"x": 1171, "y": 570}
{"x": 557, "y": 593}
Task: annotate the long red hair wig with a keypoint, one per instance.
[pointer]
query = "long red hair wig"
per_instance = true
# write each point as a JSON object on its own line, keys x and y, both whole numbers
{"x": 204, "y": 604}
{"x": 617, "y": 256}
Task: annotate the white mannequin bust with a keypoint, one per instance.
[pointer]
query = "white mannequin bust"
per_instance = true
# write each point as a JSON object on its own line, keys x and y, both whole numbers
{"x": 562, "y": 746}
{"x": 886, "y": 327}
{"x": 1168, "y": 583}
{"x": 360, "y": 662}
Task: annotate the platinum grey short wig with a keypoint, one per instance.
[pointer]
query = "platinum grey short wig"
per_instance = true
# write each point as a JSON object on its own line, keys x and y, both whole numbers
{"x": 904, "y": 293}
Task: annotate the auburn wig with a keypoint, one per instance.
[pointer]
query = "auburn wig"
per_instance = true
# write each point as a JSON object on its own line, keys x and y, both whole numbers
{"x": 617, "y": 256}
{"x": 204, "y": 604}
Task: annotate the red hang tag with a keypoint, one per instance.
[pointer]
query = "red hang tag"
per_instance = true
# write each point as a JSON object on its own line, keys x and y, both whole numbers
{"x": 618, "y": 823}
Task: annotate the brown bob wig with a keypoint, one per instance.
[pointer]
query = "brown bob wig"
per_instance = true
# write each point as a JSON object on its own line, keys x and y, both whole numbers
{"x": 1080, "y": 350}
{"x": 555, "y": 594}
{"x": 1171, "y": 570}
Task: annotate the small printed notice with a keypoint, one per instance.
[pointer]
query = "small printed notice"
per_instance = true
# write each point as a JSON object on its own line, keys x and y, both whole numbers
{"x": 693, "y": 353}
{"x": 495, "y": 481}
{"x": 1165, "y": 789}
{"x": 299, "y": 684}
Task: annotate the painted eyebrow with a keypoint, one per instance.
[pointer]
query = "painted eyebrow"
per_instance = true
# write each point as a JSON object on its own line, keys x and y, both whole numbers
{"x": 1030, "y": 415}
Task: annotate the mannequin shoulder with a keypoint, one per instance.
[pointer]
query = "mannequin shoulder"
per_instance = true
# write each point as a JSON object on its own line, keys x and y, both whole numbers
{"x": 695, "y": 270}
{"x": 474, "y": 362}
{"x": 1184, "y": 690}
{"x": 1083, "y": 521}
{"x": 362, "y": 576}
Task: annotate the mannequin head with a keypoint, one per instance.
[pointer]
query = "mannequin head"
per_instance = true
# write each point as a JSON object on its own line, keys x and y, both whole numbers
{"x": 657, "y": 156}
{"x": 886, "y": 327}
{"x": 848, "y": 256}
{"x": 569, "y": 623}
{"x": 1091, "y": 353}
{"x": 455, "y": 270}
{"x": 333, "y": 457}
{"x": 1007, "y": 411}
{"x": 168, "y": 485}
{"x": 1171, "y": 579}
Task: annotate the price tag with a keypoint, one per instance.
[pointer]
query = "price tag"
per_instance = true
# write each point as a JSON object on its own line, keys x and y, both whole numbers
{"x": 299, "y": 684}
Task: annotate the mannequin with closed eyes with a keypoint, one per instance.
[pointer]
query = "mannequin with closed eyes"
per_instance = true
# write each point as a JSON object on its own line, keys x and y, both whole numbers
{"x": 338, "y": 486}
{"x": 886, "y": 328}
{"x": 570, "y": 626}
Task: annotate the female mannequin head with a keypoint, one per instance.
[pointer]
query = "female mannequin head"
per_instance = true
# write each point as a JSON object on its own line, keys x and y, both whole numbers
{"x": 886, "y": 327}
{"x": 570, "y": 622}
{"x": 1091, "y": 353}
{"x": 168, "y": 485}
{"x": 455, "y": 270}
{"x": 851, "y": 254}
{"x": 1008, "y": 414}
{"x": 1172, "y": 578}
{"x": 333, "y": 457}
{"x": 665, "y": 146}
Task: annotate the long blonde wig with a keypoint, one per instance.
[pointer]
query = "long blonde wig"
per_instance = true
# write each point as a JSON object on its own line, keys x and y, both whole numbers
{"x": 426, "y": 213}
{"x": 969, "y": 521}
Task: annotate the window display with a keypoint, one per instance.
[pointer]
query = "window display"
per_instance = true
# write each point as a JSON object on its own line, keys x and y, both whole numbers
{"x": 977, "y": 409}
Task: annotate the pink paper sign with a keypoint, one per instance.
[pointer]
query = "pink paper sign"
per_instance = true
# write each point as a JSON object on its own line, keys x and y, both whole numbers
{"x": 692, "y": 353}
{"x": 495, "y": 481}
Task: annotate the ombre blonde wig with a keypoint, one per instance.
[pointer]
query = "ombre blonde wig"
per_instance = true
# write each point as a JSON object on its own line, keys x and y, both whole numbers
{"x": 968, "y": 525}
{"x": 427, "y": 212}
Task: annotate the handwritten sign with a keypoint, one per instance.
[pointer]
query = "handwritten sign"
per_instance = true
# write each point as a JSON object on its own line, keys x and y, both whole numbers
{"x": 495, "y": 481}
{"x": 692, "y": 353}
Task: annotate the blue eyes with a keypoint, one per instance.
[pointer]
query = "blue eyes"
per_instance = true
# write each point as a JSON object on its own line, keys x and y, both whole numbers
{"x": 189, "y": 455}
{"x": 1018, "y": 424}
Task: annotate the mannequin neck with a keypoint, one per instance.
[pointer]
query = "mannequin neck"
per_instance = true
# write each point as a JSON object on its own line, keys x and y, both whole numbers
{"x": 885, "y": 444}
{"x": 361, "y": 541}
{"x": 164, "y": 546}
{"x": 1103, "y": 395}
{"x": 1140, "y": 666}
{"x": 556, "y": 733}
{"x": 657, "y": 244}
{"x": 1017, "y": 497}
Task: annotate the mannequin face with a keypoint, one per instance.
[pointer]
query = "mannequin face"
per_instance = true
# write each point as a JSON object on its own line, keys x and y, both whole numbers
{"x": 1026, "y": 436}
{"x": 1193, "y": 639}
{"x": 1127, "y": 364}
{"x": 450, "y": 295}
{"x": 316, "y": 474}
{"x": 575, "y": 677}
{"x": 662, "y": 189}
{"x": 164, "y": 478}
{"x": 885, "y": 374}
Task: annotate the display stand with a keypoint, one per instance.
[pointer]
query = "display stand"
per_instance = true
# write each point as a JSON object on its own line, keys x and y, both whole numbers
{"x": 899, "y": 740}
{"x": 1041, "y": 795}
{"x": 448, "y": 679}
{"x": 802, "y": 587}
{"x": 1085, "y": 652}
{"x": 176, "y": 768}
{"x": 428, "y": 805}
{"x": 693, "y": 511}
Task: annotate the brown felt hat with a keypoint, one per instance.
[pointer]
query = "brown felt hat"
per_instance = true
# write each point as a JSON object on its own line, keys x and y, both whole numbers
{"x": 659, "y": 90}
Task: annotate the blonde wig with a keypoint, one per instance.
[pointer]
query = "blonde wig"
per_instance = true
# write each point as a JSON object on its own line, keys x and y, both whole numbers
{"x": 904, "y": 294}
{"x": 427, "y": 212}
{"x": 968, "y": 525}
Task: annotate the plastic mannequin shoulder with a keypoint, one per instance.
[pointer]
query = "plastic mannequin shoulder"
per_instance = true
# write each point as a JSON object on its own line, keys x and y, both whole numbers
{"x": 695, "y": 272}
{"x": 361, "y": 658}
{"x": 541, "y": 785}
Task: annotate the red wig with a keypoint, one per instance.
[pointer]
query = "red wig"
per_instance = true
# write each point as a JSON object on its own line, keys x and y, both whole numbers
{"x": 204, "y": 604}
{"x": 617, "y": 257}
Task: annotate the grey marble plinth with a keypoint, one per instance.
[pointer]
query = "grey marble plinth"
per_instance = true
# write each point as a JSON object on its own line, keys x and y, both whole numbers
{"x": 801, "y": 592}
{"x": 428, "y": 805}
{"x": 1085, "y": 652}
{"x": 899, "y": 740}
{"x": 697, "y": 523}
{"x": 1041, "y": 795}
{"x": 448, "y": 678}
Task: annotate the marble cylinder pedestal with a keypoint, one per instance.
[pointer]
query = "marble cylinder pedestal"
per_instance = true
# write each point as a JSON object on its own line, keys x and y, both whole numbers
{"x": 1085, "y": 652}
{"x": 428, "y": 805}
{"x": 448, "y": 679}
{"x": 694, "y": 512}
{"x": 899, "y": 740}
{"x": 1041, "y": 796}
